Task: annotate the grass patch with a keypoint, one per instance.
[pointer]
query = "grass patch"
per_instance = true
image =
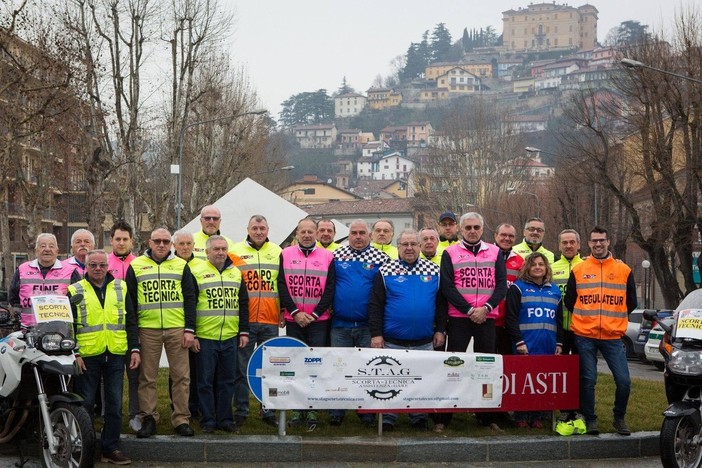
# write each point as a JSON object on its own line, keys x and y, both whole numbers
{"x": 646, "y": 403}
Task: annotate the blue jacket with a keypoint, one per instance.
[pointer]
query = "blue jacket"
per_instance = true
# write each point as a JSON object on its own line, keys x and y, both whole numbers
{"x": 406, "y": 307}
{"x": 534, "y": 316}
{"x": 355, "y": 270}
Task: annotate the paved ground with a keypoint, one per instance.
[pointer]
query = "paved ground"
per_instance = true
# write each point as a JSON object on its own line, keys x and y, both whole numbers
{"x": 647, "y": 462}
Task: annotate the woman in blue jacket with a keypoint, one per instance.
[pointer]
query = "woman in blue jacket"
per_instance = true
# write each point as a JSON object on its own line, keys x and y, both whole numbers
{"x": 534, "y": 320}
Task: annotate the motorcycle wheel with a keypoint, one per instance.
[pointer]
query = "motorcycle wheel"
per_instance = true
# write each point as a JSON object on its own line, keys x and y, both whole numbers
{"x": 74, "y": 432}
{"x": 680, "y": 443}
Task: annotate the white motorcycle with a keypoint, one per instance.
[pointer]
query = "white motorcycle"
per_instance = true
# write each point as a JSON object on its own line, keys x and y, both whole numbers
{"x": 35, "y": 403}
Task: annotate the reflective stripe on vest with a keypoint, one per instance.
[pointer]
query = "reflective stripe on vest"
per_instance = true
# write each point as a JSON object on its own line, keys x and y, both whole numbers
{"x": 600, "y": 309}
{"x": 306, "y": 277}
{"x": 217, "y": 302}
{"x": 32, "y": 283}
{"x": 99, "y": 327}
{"x": 159, "y": 292}
{"x": 260, "y": 275}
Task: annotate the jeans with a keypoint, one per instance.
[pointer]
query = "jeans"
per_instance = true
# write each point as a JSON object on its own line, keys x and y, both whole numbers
{"x": 110, "y": 368}
{"x": 258, "y": 333}
{"x": 314, "y": 334}
{"x": 415, "y": 418}
{"x": 614, "y": 353}
{"x": 216, "y": 358}
{"x": 351, "y": 337}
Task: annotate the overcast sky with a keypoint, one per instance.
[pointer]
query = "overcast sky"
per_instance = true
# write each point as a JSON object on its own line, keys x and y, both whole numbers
{"x": 292, "y": 46}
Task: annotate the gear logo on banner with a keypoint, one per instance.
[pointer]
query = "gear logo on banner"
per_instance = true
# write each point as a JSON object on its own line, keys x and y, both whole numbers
{"x": 383, "y": 377}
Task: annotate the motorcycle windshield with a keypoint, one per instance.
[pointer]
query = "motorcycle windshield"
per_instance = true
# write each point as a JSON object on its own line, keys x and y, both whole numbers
{"x": 63, "y": 328}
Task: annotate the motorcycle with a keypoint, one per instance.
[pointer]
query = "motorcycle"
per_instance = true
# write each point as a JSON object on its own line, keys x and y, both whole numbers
{"x": 35, "y": 403}
{"x": 681, "y": 347}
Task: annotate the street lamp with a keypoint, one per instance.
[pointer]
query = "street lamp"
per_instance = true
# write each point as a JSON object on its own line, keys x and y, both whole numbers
{"x": 538, "y": 201}
{"x": 176, "y": 169}
{"x": 631, "y": 63}
{"x": 646, "y": 265}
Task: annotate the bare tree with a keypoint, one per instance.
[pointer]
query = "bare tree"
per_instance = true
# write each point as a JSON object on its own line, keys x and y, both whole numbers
{"x": 472, "y": 166}
{"x": 35, "y": 102}
{"x": 642, "y": 149}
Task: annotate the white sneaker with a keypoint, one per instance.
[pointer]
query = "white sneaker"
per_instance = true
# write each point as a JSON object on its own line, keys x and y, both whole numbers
{"x": 135, "y": 423}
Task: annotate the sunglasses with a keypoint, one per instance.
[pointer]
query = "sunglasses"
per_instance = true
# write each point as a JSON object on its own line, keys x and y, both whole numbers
{"x": 472, "y": 228}
{"x": 161, "y": 241}
{"x": 211, "y": 218}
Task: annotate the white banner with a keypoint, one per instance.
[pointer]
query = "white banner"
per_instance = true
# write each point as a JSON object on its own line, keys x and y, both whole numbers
{"x": 368, "y": 378}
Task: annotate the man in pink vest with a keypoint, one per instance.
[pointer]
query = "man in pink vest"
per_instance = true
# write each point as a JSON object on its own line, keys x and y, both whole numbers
{"x": 306, "y": 282}
{"x": 121, "y": 239}
{"x": 473, "y": 281}
{"x": 44, "y": 275}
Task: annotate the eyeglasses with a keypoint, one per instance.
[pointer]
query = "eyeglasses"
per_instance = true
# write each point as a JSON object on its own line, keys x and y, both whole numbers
{"x": 474, "y": 228}
{"x": 97, "y": 265}
{"x": 409, "y": 244}
{"x": 598, "y": 241}
{"x": 211, "y": 218}
{"x": 535, "y": 229}
{"x": 161, "y": 241}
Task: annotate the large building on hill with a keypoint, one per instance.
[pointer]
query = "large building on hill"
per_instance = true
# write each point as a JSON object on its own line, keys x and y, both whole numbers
{"x": 548, "y": 26}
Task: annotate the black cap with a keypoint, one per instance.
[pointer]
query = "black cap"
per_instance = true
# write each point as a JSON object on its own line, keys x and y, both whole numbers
{"x": 448, "y": 214}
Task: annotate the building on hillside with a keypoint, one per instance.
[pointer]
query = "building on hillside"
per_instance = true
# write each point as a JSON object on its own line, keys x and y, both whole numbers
{"x": 459, "y": 81}
{"x": 316, "y": 136}
{"x": 524, "y": 85}
{"x": 381, "y": 98}
{"x": 514, "y": 124}
{"x": 352, "y": 140}
{"x": 533, "y": 168}
{"x": 433, "y": 94}
{"x": 349, "y": 104}
{"x": 398, "y": 210}
{"x": 374, "y": 189}
{"x": 311, "y": 190}
{"x": 548, "y": 26}
{"x": 604, "y": 56}
{"x": 371, "y": 147}
{"x": 395, "y": 133}
{"x": 506, "y": 65}
{"x": 418, "y": 133}
{"x": 588, "y": 79}
{"x": 392, "y": 166}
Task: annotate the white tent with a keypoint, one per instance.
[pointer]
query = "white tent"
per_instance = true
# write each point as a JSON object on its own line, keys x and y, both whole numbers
{"x": 250, "y": 198}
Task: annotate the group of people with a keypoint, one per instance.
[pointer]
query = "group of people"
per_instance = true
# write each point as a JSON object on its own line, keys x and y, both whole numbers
{"x": 209, "y": 301}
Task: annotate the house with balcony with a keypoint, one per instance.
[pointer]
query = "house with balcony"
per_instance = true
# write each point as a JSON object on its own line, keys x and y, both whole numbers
{"x": 316, "y": 136}
{"x": 458, "y": 81}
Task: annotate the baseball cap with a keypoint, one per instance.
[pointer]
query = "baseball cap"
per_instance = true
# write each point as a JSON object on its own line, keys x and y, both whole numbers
{"x": 448, "y": 214}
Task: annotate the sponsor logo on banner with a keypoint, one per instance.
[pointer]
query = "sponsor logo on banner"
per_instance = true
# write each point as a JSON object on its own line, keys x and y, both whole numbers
{"x": 279, "y": 360}
{"x": 274, "y": 392}
{"x": 454, "y": 361}
{"x": 453, "y": 377}
{"x": 313, "y": 361}
{"x": 383, "y": 377}
{"x": 287, "y": 374}
{"x": 485, "y": 359}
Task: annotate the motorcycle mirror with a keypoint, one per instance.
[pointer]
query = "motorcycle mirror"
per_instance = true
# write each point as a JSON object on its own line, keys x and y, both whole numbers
{"x": 650, "y": 315}
{"x": 76, "y": 298}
